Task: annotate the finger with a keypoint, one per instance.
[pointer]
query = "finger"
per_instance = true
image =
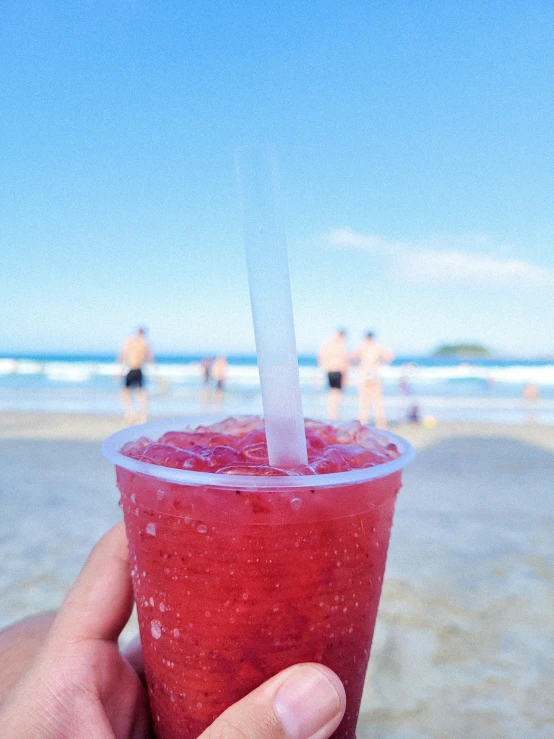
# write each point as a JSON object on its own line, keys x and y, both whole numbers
{"x": 101, "y": 600}
{"x": 303, "y": 702}
{"x": 132, "y": 652}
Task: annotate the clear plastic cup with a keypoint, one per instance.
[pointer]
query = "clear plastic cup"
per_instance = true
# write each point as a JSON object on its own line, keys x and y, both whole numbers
{"x": 237, "y": 577}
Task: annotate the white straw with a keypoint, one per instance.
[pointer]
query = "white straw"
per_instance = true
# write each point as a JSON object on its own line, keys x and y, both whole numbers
{"x": 270, "y": 298}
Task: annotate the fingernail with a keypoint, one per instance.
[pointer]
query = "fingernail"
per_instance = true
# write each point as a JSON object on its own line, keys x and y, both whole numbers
{"x": 307, "y": 702}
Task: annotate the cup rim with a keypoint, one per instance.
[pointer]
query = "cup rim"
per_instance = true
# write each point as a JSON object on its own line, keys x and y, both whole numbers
{"x": 112, "y": 445}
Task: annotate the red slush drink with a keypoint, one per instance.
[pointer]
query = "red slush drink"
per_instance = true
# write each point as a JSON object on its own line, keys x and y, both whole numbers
{"x": 241, "y": 570}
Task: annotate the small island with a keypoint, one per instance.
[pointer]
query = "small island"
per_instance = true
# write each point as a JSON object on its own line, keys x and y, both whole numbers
{"x": 461, "y": 350}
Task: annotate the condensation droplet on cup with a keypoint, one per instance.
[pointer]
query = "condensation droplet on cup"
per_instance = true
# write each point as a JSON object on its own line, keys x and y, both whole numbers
{"x": 156, "y": 629}
{"x": 296, "y": 504}
{"x": 202, "y": 528}
{"x": 151, "y": 528}
{"x": 160, "y": 494}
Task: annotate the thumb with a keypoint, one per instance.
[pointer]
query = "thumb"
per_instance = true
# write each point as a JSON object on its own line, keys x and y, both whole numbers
{"x": 302, "y": 702}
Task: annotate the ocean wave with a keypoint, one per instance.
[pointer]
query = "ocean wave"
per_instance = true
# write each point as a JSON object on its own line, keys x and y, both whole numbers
{"x": 246, "y": 375}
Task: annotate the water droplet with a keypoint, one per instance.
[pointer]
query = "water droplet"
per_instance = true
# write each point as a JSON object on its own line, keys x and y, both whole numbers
{"x": 162, "y": 607}
{"x": 199, "y": 706}
{"x": 245, "y": 596}
{"x": 151, "y": 601}
{"x": 134, "y": 498}
{"x": 156, "y": 629}
{"x": 151, "y": 529}
{"x": 296, "y": 504}
{"x": 202, "y": 528}
{"x": 160, "y": 494}
{"x": 176, "y": 633}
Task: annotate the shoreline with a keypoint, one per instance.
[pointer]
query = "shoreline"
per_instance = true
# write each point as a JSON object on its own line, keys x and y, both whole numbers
{"x": 23, "y": 425}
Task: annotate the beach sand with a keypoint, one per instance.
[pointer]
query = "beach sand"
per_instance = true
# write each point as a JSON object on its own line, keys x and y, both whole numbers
{"x": 464, "y": 643}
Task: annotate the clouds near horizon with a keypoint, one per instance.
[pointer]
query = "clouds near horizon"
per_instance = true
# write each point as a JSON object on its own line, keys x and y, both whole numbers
{"x": 446, "y": 260}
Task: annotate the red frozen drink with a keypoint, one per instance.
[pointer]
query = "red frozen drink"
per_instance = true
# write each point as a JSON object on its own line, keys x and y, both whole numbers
{"x": 241, "y": 569}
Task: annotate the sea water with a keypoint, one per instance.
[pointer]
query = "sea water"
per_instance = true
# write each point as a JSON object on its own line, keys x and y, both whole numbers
{"x": 448, "y": 389}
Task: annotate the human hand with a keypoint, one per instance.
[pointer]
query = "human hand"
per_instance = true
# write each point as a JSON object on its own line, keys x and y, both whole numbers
{"x": 80, "y": 686}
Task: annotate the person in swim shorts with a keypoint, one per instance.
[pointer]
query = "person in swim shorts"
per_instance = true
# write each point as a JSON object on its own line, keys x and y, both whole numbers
{"x": 333, "y": 359}
{"x": 134, "y": 353}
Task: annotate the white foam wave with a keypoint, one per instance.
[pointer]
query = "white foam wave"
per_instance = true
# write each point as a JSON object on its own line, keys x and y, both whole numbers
{"x": 514, "y": 374}
{"x": 247, "y": 375}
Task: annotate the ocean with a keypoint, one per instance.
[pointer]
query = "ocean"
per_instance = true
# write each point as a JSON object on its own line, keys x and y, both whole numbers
{"x": 445, "y": 389}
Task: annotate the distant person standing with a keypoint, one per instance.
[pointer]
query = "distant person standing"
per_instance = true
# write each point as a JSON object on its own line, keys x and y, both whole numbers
{"x": 333, "y": 359}
{"x": 531, "y": 395}
{"x": 206, "y": 369}
{"x": 371, "y": 356}
{"x": 219, "y": 373}
{"x": 134, "y": 354}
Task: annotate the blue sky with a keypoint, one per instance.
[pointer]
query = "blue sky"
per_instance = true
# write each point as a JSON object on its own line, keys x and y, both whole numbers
{"x": 416, "y": 151}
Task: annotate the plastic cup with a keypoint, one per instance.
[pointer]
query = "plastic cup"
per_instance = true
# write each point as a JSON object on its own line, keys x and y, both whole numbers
{"x": 237, "y": 577}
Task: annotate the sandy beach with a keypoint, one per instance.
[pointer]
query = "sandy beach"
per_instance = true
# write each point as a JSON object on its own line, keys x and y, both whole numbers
{"x": 465, "y": 636}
